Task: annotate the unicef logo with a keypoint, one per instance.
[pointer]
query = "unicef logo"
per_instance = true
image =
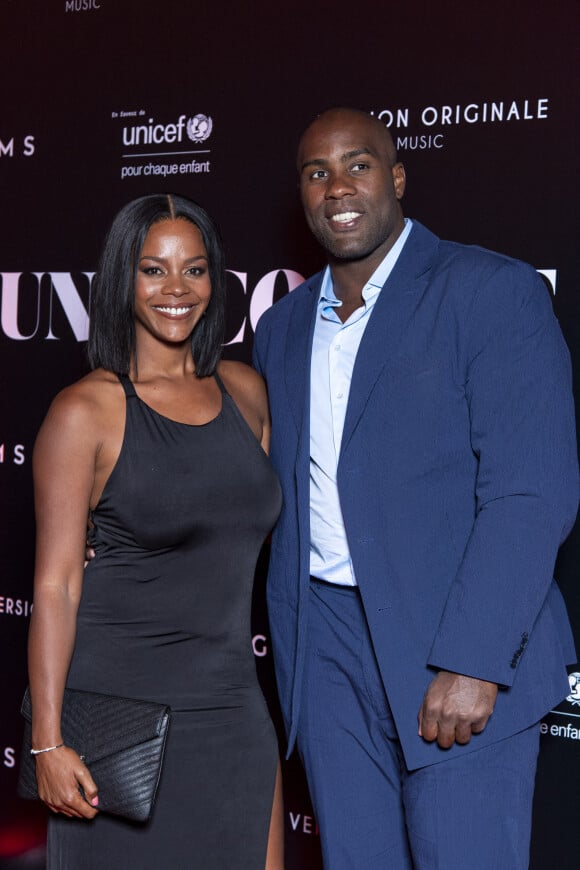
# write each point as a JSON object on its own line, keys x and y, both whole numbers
{"x": 574, "y": 696}
{"x": 199, "y": 128}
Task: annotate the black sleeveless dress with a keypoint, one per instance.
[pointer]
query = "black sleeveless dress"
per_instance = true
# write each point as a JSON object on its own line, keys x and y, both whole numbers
{"x": 165, "y": 616}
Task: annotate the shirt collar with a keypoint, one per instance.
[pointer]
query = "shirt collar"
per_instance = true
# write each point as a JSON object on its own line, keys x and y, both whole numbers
{"x": 327, "y": 298}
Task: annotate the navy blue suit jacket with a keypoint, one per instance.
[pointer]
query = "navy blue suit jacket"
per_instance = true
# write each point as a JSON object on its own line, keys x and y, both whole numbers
{"x": 458, "y": 481}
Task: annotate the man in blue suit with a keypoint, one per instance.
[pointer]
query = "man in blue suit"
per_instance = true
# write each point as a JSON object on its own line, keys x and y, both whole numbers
{"x": 423, "y": 434}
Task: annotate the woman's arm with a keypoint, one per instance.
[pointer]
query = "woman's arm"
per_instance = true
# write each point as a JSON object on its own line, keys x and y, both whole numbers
{"x": 64, "y": 469}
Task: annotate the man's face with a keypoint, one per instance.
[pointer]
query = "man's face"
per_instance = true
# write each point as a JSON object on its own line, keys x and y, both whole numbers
{"x": 350, "y": 188}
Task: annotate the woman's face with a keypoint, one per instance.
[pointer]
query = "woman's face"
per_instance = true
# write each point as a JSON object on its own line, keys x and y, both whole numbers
{"x": 172, "y": 289}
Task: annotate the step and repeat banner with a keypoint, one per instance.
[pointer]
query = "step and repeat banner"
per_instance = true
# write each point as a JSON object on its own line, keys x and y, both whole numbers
{"x": 105, "y": 100}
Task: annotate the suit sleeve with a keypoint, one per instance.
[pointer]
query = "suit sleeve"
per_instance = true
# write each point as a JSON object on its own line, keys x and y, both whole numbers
{"x": 519, "y": 396}
{"x": 257, "y": 350}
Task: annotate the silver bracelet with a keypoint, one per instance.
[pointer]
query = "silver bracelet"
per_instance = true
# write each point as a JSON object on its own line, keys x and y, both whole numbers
{"x": 48, "y": 749}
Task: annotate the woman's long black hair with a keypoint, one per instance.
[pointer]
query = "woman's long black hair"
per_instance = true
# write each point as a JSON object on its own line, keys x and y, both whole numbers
{"x": 112, "y": 325}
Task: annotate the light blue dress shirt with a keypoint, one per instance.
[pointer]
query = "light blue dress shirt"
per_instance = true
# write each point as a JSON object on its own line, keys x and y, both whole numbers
{"x": 334, "y": 350}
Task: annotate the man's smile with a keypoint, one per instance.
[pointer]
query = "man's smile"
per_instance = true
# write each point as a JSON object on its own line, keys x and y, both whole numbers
{"x": 345, "y": 217}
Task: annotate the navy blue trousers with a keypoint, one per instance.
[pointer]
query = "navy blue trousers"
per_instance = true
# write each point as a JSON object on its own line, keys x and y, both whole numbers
{"x": 472, "y": 812}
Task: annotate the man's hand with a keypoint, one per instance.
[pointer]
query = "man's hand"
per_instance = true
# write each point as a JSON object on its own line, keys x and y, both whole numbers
{"x": 455, "y": 707}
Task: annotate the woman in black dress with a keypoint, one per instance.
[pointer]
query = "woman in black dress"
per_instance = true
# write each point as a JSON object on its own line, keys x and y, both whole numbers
{"x": 164, "y": 448}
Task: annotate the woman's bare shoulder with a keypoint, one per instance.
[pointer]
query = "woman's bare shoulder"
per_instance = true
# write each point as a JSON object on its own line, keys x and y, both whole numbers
{"x": 240, "y": 377}
{"x": 85, "y": 402}
{"x": 248, "y": 390}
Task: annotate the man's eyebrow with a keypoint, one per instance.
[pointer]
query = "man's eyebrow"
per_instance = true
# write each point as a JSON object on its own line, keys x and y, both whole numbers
{"x": 348, "y": 155}
{"x": 316, "y": 161}
{"x": 356, "y": 153}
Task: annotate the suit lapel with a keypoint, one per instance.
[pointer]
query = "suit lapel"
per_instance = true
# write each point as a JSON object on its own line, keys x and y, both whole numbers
{"x": 297, "y": 375}
{"x": 298, "y": 353}
{"x": 389, "y": 320}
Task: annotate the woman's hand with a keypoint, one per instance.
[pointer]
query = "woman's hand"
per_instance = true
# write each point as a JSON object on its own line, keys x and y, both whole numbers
{"x": 61, "y": 775}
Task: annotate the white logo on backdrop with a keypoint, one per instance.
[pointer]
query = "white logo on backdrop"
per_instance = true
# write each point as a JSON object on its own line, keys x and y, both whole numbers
{"x": 199, "y": 128}
{"x": 14, "y": 606}
{"x": 22, "y": 292}
{"x": 159, "y": 149}
{"x": 574, "y": 696}
{"x": 422, "y": 120}
{"x": 17, "y": 148}
{"x": 20, "y": 301}
{"x": 12, "y": 454}
{"x": 81, "y": 5}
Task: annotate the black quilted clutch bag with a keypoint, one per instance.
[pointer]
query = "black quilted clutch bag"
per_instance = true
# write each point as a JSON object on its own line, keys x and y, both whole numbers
{"x": 121, "y": 741}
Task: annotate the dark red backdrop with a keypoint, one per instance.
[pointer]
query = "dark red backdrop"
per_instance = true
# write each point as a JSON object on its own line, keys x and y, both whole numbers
{"x": 482, "y": 101}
